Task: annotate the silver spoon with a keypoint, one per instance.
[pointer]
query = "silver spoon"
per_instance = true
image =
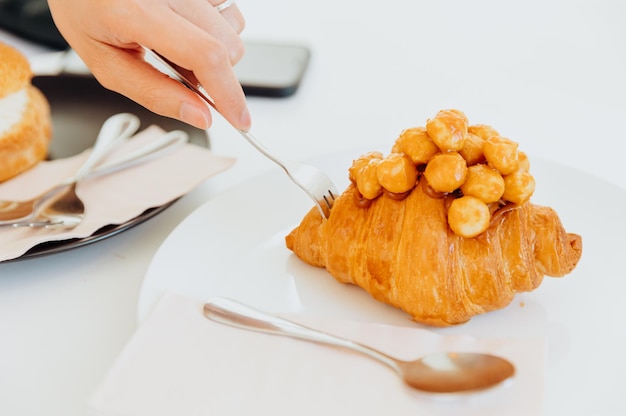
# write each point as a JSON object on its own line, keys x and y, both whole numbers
{"x": 115, "y": 129}
{"x": 66, "y": 210}
{"x": 436, "y": 373}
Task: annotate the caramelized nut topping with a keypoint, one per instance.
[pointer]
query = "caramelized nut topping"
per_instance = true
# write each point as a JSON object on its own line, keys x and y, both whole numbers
{"x": 416, "y": 144}
{"x": 396, "y": 173}
{"x": 518, "y": 187}
{"x": 477, "y": 171}
{"x": 446, "y": 172}
{"x": 472, "y": 150}
{"x": 448, "y": 130}
{"x": 524, "y": 162}
{"x": 483, "y": 131}
{"x": 483, "y": 182}
{"x": 468, "y": 216}
{"x": 360, "y": 163}
{"x": 367, "y": 181}
{"x": 501, "y": 154}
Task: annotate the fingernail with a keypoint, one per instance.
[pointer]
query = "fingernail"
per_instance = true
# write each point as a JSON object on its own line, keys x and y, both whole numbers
{"x": 245, "y": 120}
{"x": 191, "y": 114}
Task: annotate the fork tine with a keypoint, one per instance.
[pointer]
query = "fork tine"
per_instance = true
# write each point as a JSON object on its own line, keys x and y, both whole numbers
{"x": 326, "y": 202}
{"x": 314, "y": 182}
{"x": 329, "y": 200}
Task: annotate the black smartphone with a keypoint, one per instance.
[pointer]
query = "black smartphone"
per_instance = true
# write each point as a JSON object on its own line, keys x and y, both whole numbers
{"x": 272, "y": 69}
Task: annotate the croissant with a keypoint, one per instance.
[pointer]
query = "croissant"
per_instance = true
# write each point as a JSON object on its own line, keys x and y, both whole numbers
{"x": 404, "y": 252}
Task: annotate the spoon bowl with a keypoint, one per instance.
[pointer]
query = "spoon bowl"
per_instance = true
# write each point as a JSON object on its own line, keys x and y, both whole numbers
{"x": 450, "y": 372}
{"x": 63, "y": 209}
{"x": 455, "y": 372}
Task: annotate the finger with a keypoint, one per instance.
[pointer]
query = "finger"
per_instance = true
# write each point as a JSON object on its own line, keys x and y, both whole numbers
{"x": 126, "y": 72}
{"x": 232, "y": 15}
{"x": 207, "y": 57}
{"x": 223, "y": 26}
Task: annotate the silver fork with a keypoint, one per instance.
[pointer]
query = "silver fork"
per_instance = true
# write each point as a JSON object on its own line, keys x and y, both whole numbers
{"x": 317, "y": 185}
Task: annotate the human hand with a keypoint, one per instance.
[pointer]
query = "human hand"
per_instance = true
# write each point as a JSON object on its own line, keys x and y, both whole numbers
{"x": 109, "y": 35}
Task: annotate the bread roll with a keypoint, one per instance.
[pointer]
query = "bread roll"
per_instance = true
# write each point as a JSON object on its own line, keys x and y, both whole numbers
{"x": 25, "y": 121}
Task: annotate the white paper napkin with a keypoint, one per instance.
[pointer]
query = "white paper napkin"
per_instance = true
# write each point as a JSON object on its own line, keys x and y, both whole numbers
{"x": 110, "y": 199}
{"x": 180, "y": 363}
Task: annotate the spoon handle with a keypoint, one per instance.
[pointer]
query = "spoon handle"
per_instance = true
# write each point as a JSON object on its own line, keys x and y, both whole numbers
{"x": 158, "y": 147}
{"x": 227, "y": 311}
{"x": 116, "y": 129}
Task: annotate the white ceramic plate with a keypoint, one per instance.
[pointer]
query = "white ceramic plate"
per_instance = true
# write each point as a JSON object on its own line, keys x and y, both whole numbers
{"x": 234, "y": 246}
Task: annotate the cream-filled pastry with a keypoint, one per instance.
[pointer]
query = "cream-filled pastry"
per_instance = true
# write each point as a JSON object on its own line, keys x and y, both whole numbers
{"x": 25, "y": 121}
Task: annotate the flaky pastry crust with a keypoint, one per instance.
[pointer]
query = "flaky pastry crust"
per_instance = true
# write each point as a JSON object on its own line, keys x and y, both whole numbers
{"x": 403, "y": 253}
{"x": 26, "y": 143}
{"x": 15, "y": 72}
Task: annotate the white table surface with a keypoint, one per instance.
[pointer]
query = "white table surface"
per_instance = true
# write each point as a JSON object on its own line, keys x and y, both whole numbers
{"x": 549, "y": 74}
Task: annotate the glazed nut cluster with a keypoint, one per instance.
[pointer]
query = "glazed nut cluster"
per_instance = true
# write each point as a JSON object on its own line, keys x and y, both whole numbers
{"x": 473, "y": 165}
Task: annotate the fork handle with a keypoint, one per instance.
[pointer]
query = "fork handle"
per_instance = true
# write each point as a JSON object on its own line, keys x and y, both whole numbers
{"x": 189, "y": 79}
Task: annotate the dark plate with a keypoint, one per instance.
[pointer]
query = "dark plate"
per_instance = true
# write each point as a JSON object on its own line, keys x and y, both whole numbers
{"x": 107, "y": 231}
{"x": 79, "y": 106}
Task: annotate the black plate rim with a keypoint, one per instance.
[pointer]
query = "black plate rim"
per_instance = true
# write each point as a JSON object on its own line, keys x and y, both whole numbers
{"x": 60, "y": 246}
